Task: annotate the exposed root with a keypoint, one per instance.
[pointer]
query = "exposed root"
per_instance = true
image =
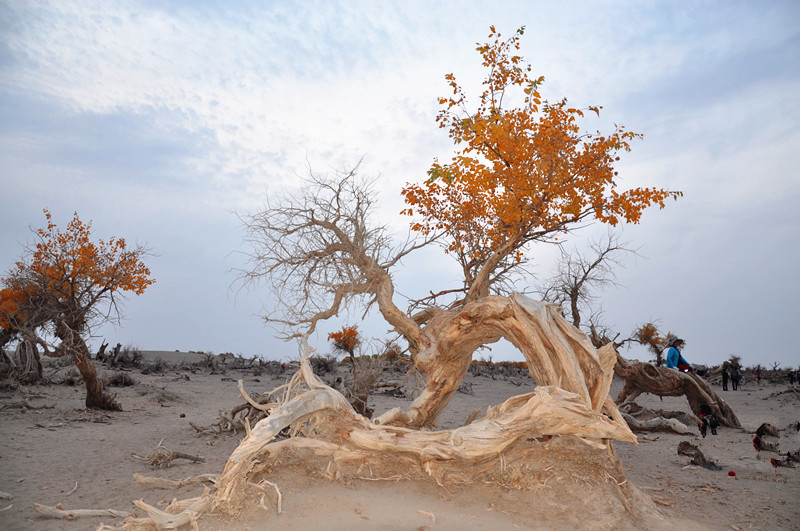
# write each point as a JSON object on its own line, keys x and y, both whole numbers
{"x": 559, "y": 433}
{"x": 505, "y": 447}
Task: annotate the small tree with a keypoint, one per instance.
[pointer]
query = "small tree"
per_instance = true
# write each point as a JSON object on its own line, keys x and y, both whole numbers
{"x": 366, "y": 370}
{"x": 346, "y": 340}
{"x": 649, "y": 336}
{"x": 64, "y": 286}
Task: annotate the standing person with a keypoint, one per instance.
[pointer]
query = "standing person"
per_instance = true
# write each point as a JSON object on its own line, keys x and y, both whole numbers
{"x": 758, "y": 375}
{"x": 735, "y": 377}
{"x": 674, "y": 358}
{"x": 725, "y": 376}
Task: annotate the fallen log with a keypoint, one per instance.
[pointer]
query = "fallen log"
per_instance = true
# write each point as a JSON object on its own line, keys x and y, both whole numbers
{"x": 657, "y": 424}
{"x": 647, "y": 378}
{"x": 163, "y": 483}
{"x": 58, "y": 511}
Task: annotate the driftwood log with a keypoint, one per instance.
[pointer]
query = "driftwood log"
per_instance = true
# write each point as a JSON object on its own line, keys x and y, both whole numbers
{"x": 647, "y": 378}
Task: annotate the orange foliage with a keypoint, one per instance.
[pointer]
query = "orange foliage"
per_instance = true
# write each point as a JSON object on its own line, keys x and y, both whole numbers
{"x": 346, "y": 339}
{"x": 519, "y": 174}
{"x": 649, "y": 335}
{"x": 9, "y": 308}
{"x": 71, "y": 273}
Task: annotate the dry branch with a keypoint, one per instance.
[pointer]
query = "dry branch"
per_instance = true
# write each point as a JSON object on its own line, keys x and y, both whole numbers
{"x": 72, "y": 514}
{"x": 163, "y": 483}
{"x": 162, "y": 457}
{"x": 657, "y": 424}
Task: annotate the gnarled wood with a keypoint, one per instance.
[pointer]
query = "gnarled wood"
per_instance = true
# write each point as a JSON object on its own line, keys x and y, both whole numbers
{"x": 512, "y": 437}
{"x": 558, "y": 354}
{"x": 646, "y": 378}
{"x": 58, "y": 511}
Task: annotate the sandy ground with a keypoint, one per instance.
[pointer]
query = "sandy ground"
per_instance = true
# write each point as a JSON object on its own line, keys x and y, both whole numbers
{"x": 82, "y": 459}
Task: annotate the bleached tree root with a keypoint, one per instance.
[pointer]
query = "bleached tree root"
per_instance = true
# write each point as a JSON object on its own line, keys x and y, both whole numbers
{"x": 518, "y": 444}
{"x": 58, "y": 511}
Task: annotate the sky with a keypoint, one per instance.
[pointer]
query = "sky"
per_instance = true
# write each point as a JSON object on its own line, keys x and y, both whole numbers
{"x": 165, "y": 122}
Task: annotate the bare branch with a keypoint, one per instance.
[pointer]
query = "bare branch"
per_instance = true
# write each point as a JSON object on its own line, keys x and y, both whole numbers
{"x": 579, "y": 276}
{"x": 318, "y": 251}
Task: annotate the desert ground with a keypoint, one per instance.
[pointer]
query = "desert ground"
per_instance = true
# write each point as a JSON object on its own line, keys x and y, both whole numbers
{"x": 55, "y": 451}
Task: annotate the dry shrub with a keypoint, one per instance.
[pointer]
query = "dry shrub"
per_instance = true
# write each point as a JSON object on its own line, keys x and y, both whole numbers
{"x": 322, "y": 365}
{"x": 119, "y": 379}
{"x": 367, "y": 373}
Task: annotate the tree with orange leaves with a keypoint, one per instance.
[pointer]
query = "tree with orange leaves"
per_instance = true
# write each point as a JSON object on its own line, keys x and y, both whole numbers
{"x": 346, "y": 340}
{"x": 63, "y": 286}
{"x": 519, "y": 175}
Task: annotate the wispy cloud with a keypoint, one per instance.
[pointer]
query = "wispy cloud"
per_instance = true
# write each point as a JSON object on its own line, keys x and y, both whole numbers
{"x": 164, "y": 119}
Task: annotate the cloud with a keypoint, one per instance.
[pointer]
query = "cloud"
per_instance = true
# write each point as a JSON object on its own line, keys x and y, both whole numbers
{"x": 160, "y": 121}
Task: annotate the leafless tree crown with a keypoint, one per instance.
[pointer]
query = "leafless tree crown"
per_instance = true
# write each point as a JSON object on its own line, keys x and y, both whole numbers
{"x": 318, "y": 249}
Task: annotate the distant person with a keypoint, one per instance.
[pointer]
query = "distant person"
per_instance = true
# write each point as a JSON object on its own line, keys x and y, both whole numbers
{"x": 758, "y": 375}
{"x": 791, "y": 378}
{"x": 674, "y": 358}
{"x": 735, "y": 378}
{"x": 707, "y": 420}
{"x": 725, "y": 377}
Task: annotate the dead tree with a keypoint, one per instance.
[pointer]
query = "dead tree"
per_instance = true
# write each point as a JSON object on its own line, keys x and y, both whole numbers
{"x": 647, "y": 378}
{"x": 579, "y": 275}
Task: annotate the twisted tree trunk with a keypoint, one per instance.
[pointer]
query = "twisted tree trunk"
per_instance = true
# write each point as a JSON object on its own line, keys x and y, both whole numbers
{"x": 96, "y": 398}
{"x": 646, "y": 378}
{"x": 27, "y": 362}
{"x": 558, "y": 354}
{"x": 76, "y": 347}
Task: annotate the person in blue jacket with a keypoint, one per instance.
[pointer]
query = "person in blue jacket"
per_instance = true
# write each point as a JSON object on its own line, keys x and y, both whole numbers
{"x": 674, "y": 358}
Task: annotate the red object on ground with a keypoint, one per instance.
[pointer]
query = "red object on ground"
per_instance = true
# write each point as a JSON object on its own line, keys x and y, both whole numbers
{"x": 732, "y": 473}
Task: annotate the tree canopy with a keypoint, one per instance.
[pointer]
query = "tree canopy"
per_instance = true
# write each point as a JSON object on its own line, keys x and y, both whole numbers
{"x": 64, "y": 285}
{"x": 519, "y": 174}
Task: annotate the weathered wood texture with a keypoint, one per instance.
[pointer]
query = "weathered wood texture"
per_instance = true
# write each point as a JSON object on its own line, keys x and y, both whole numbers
{"x": 647, "y": 378}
